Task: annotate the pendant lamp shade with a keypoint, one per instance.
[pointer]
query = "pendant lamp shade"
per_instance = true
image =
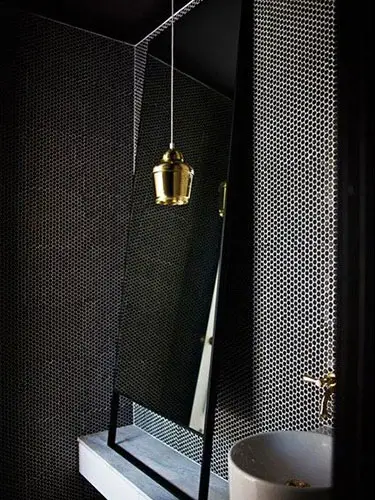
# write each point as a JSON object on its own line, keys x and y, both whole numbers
{"x": 173, "y": 179}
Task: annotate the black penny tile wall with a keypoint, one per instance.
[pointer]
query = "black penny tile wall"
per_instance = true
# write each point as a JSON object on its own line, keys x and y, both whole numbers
{"x": 66, "y": 171}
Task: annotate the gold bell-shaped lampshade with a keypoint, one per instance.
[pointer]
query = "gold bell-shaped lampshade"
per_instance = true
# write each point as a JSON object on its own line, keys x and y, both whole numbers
{"x": 172, "y": 179}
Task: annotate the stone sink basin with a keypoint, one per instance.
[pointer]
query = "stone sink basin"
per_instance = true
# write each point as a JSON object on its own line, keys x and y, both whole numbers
{"x": 285, "y": 465}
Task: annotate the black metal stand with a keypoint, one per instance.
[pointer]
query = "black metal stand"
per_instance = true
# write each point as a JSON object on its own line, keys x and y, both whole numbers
{"x": 242, "y": 117}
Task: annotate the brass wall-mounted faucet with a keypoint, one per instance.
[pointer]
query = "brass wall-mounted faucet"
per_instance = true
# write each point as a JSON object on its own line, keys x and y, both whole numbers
{"x": 328, "y": 383}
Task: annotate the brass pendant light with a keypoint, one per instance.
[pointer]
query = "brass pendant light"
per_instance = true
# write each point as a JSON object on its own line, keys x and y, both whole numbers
{"x": 172, "y": 177}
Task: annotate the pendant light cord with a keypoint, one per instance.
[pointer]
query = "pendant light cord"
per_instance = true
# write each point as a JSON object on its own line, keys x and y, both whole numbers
{"x": 171, "y": 146}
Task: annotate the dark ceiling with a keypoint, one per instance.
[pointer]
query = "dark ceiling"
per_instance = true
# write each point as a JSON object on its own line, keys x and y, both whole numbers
{"x": 205, "y": 43}
{"x": 127, "y": 20}
{"x": 206, "y": 37}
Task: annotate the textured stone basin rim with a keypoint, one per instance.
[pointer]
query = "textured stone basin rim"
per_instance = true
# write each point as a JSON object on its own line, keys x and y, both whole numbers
{"x": 281, "y": 465}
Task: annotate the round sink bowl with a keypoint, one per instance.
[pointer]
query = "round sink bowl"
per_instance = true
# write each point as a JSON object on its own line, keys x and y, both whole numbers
{"x": 283, "y": 465}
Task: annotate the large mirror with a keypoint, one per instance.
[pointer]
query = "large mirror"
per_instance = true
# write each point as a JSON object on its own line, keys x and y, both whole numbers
{"x": 172, "y": 260}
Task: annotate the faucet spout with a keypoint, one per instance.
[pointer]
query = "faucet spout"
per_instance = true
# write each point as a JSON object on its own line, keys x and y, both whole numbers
{"x": 324, "y": 414}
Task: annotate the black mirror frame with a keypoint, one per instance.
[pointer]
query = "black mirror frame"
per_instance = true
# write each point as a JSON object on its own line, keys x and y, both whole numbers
{"x": 238, "y": 143}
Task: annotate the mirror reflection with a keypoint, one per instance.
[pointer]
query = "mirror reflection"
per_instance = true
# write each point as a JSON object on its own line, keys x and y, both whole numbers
{"x": 170, "y": 283}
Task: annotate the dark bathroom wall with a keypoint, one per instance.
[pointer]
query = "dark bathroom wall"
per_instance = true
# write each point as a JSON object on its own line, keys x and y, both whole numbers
{"x": 283, "y": 247}
{"x": 66, "y": 168}
{"x": 60, "y": 305}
